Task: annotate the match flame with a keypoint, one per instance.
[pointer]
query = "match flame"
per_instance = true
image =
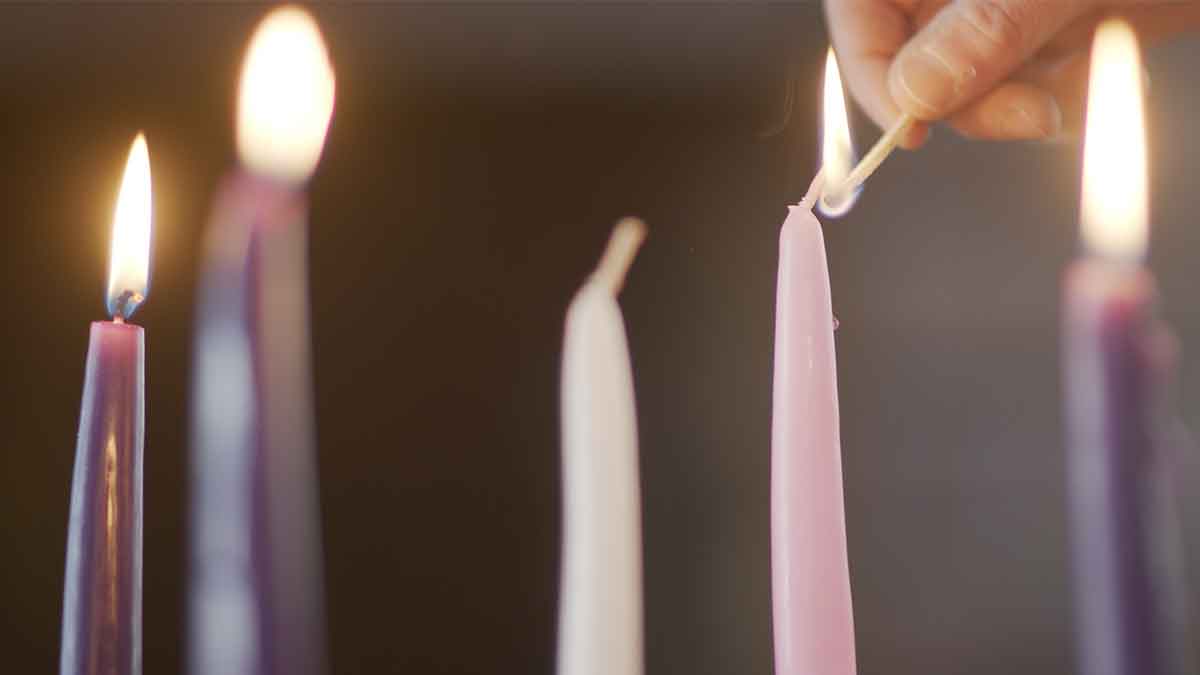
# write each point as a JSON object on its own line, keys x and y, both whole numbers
{"x": 837, "y": 148}
{"x": 286, "y": 97}
{"x": 129, "y": 261}
{"x": 1114, "y": 210}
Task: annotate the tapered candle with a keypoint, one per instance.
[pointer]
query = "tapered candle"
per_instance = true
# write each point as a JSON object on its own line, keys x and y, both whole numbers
{"x": 1118, "y": 357}
{"x": 256, "y": 592}
{"x": 102, "y": 598}
{"x": 813, "y": 617}
{"x": 600, "y": 602}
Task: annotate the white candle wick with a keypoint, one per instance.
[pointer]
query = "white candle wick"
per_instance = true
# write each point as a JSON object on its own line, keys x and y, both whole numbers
{"x": 623, "y": 245}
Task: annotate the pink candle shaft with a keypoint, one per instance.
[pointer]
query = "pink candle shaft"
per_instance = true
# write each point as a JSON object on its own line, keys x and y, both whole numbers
{"x": 102, "y": 600}
{"x": 813, "y": 617}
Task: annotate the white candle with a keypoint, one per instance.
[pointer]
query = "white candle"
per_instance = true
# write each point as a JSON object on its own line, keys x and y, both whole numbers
{"x": 600, "y": 614}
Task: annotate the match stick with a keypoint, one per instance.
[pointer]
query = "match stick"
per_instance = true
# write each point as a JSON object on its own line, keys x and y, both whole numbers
{"x": 871, "y": 161}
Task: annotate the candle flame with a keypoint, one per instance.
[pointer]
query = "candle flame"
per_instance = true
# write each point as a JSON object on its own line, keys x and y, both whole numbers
{"x": 837, "y": 148}
{"x": 129, "y": 261}
{"x": 285, "y": 100}
{"x": 1114, "y": 210}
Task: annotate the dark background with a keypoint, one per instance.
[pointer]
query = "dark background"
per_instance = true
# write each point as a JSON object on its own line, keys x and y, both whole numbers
{"x": 478, "y": 156}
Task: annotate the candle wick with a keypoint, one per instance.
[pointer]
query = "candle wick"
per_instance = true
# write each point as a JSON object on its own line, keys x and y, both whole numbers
{"x": 125, "y": 305}
{"x": 622, "y": 247}
{"x": 814, "y": 189}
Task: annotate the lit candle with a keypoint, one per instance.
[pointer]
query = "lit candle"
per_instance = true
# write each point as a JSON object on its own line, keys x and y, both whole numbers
{"x": 1117, "y": 357}
{"x": 810, "y": 579}
{"x": 600, "y": 612}
{"x": 256, "y": 592}
{"x": 102, "y": 598}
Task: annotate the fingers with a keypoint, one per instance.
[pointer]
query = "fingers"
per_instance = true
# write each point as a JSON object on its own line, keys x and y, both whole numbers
{"x": 968, "y": 48}
{"x": 866, "y": 35}
{"x": 1011, "y": 111}
{"x": 1060, "y": 71}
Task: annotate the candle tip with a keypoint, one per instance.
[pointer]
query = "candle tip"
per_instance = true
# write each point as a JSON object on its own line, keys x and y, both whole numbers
{"x": 623, "y": 245}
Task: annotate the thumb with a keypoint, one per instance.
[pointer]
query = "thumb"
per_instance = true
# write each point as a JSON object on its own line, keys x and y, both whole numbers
{"x": 970, "y": 46}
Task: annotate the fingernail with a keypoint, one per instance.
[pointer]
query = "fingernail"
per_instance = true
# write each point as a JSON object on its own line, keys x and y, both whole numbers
{"x": 927, "y": 80}
{"x": 1034, "y": 117}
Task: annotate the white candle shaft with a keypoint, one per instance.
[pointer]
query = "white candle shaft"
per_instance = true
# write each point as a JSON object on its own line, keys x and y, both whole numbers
{"x": 600, "y": 619}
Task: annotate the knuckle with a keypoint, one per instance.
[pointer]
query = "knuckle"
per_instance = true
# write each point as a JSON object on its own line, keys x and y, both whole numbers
{"x": 1002, "y": 22}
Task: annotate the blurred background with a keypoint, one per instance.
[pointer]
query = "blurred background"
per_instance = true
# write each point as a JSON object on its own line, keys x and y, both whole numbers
{"x": 478, "y": 157}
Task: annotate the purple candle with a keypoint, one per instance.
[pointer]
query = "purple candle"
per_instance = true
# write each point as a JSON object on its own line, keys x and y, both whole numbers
{"x": 256, "y": 599}
{"x": 102, "y": 597}
{"x": 1118, "y": 358}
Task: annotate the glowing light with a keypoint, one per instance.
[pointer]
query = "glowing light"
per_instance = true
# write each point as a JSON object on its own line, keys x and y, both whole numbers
{"x": 129, "y": 261}
{"x": 1114, "y": 210}
{"x": 837, "y": 148}
{"x": 285, "y": 100}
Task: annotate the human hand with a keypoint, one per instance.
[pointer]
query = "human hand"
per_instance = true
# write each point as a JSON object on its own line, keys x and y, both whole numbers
{"x": 994, "y": 69}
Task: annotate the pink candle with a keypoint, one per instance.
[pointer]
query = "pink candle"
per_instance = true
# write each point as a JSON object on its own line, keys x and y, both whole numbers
{"x": 814, "y": 623}
{"x": 256, "y": 598}
{"x": 813, "y": 617}
{"x": 102, "y": 598}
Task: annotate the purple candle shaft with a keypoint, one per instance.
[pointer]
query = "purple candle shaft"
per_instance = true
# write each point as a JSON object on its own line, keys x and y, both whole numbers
{"x": 256, "y": 537}
{"x": 1118, "y": 357}
{"x": 102, "y": 600}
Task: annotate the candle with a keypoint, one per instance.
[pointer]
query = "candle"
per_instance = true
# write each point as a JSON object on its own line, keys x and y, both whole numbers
{"x": 813, "y": 617}
{"x": 102, "y": 598}
{"x": 256, "y": 598}
{"x": 600, "y": 612}
{"x": 1117, "y": 357}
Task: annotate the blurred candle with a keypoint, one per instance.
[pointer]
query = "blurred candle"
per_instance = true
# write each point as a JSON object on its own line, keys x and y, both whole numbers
{"x": 256, "y": 590}
{"x": 102, "y": 598}
{"x": 1118, "y": 358}
{"x": 813, "y": 617}
{"x": 600, "y": 612}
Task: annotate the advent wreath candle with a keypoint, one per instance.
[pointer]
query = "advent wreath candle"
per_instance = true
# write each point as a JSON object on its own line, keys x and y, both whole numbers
{"x": 600, "y": 601}
{"x": 1118, "y": 359}
{"x": 256, "y": 583}
{"x": 102, "y": 596}
{"x": 810, "y": 576}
